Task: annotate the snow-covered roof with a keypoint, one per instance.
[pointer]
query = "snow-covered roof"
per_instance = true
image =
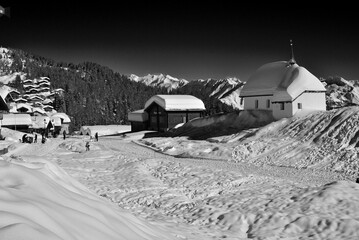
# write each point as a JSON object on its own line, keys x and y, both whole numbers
{"x": 4, "y": 92}
{"x": 16, "y": 119}
{"x": 38, "y": 121}
{"x": 176, "y": 102}
{"x": 56, "y": 121}
{"x": 282, "y": 80}
{"x": 14, "y": 91}
{"x": 48, "y": 107}
{"x": 20, "y": 100}
{"x": 39, "y": 110}
{"x": 63, "y": 116}
{"x": 36, "y": 98}
{"x": 138, "y": 116}
{"x": 47, "y": 101}
{"x": 24, "y": 105}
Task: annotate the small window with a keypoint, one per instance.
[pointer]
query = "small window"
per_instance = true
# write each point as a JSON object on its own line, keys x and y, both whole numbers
{"x": 268, "y": 103}
{"x": 299, "y": 105}
{"x": 256, "y": 104}
{"x": 281, "y": 106}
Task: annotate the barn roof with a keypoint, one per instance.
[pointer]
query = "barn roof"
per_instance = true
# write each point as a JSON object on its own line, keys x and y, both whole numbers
{"x": 177, "y": 102}
{"x": 282, "y": 80}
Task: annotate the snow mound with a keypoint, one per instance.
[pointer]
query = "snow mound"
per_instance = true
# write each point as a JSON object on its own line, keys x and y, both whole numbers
{"x": 104, "y": 130}
{"x": 38, "y": 200}
{"x": 321, "y": 140}
{"x": 223, "y": 124}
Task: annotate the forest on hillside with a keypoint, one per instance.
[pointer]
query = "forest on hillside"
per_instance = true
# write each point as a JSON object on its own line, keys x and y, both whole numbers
{"x": 95, "y": 94}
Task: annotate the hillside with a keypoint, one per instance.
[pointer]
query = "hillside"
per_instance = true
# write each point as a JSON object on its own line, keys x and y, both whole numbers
{"x": 325, "y": 141}
{"x": 93, "y": 94}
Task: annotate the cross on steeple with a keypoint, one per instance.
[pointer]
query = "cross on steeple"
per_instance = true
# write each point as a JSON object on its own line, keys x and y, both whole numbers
{"x": 292, "y": 60}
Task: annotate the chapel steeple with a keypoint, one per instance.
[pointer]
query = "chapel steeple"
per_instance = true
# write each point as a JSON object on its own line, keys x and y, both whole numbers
{"x": 292, "y": 60}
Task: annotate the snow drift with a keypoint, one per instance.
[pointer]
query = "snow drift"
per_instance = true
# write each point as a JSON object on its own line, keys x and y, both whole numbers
{"x": 223, "y": 124}
{"x": 38, "y": 200}
{"x": 323, "y": 140}
{"x": 103, "y": 130}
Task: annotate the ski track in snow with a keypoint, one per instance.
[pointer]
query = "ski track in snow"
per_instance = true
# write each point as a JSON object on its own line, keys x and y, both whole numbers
{"x": 197, "y": 198}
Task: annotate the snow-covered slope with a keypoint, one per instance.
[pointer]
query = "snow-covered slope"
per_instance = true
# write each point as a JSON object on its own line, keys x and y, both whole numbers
{"x": 40, "y": 201}
{"x": 160, "y": 80}
{"x": 6, "y": 61}
{"x": 325, "y": 140}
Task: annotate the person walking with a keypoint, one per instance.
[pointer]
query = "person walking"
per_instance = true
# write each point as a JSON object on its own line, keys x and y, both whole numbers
{"x": 96, "y": 136}
{"x": 64, "y": 133}
{"x": 87, "y": 146}
{"x": 24, "y": 138}
{"x": 35, "y": 139}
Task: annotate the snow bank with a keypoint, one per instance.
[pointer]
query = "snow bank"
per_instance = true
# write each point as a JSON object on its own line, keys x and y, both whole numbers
{"x": 223, "y": 124}
{"x": 38, "y": 200}
{"x": 104, "y": 130}
{"x": 325, "y": 141}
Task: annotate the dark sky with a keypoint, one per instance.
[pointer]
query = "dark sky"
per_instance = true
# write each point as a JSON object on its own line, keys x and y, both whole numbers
{"x": 199, "y": 40}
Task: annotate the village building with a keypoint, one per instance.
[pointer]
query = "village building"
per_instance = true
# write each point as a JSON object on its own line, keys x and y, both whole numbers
{"x": 163, "y": 112}
{"x": 284, "y": 88}
{"x": 63, "y": 123}
{"x": 18, "y": 122}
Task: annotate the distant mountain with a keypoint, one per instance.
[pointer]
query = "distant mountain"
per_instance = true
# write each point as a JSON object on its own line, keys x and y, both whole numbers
{"x": 160, "y": 80}
{"x": 341, "y": 92}
{"x": 211, "y": 91}
{"x": 226, "y": 90}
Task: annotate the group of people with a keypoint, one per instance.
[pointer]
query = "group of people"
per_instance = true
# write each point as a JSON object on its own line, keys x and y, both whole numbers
{"x": 29, "y": 139}
{"x": 87, "y": 145}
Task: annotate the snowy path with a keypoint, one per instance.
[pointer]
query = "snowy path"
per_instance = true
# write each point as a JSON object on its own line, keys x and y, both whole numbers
{"x": 206, "y": 199}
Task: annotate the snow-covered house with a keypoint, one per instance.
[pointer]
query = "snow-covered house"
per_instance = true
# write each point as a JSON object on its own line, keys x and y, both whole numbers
{"x": 163, "y": 112}
{"x": 284, "y": 88}
{"x": 20, "y": 122}
{"x": 64, "y": 120}
{"x": 22, "y": 108}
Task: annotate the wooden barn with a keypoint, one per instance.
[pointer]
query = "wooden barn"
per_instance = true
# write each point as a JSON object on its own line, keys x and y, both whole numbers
{"x": 163, "y": 112}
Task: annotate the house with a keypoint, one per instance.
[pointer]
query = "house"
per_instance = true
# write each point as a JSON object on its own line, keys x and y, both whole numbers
{"x": 23, "y": 108}
{"x": 19, "y": 122}
{"x": 64, "y": 121}
{"x": 285, "y": 88}
{"x": 163, "y": 112}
